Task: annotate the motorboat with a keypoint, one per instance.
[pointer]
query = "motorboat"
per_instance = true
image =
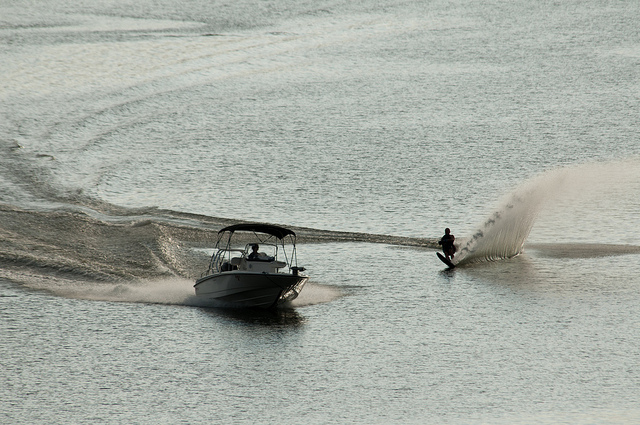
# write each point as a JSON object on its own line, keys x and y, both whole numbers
{"x": 253, "y": 265}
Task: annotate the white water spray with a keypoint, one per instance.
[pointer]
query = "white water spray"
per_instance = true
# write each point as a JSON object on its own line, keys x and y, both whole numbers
{"x": 504, "y": 233}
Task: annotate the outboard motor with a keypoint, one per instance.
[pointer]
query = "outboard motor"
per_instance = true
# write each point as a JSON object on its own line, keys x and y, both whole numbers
{"x": 296, "y": 270}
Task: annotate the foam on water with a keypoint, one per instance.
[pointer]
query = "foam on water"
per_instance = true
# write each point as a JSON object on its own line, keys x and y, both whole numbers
{"x": 172, "y": 291}
{"x": 165, "y": 291}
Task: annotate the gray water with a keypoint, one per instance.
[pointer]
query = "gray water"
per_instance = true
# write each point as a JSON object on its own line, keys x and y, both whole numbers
{"x": 130, "y": 132}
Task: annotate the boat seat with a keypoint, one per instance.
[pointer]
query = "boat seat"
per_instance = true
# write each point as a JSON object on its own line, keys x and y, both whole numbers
{"x": 235, "y": 261}
{"x": 265, "y": 266}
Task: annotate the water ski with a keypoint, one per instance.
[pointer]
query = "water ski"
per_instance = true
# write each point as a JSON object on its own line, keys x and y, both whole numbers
{"x": 445, "y": 260}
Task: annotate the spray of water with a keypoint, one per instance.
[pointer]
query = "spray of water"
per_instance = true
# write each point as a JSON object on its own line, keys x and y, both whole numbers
{"x": 171, "y": 291}
{"x": 504, "y": 233}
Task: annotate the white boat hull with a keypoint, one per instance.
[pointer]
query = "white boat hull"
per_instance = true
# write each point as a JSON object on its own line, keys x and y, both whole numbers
{"x": 250, "y": 289}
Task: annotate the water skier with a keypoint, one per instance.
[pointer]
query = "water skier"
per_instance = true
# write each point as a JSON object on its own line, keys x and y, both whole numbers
{"x": 448, "y": 248}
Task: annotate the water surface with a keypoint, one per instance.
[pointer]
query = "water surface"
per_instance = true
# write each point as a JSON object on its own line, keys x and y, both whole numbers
{"x": 131, "y": 133}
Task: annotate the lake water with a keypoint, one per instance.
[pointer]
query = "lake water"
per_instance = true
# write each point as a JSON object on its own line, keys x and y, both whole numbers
{"x": 130, "y": 132}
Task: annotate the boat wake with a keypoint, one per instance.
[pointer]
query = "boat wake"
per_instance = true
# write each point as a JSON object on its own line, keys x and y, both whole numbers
{"x": 316, "y": 293}
{"x": 504, "y": 232}
{"x": 87, "y": 249}
{"x": 169, "y": 291}
{"x": 117, "y": 254}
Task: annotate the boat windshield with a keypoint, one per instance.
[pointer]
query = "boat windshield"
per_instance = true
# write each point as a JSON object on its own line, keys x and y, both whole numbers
{"x": 261, "y": 252}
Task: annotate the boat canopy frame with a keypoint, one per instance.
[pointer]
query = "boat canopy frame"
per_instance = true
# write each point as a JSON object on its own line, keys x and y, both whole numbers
{"x": 282, "y": 235}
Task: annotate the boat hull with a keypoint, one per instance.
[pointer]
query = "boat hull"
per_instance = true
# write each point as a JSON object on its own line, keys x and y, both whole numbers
{"x": 247, "y": 289}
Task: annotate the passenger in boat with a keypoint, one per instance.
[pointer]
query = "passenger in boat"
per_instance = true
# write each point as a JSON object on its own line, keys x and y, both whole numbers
{"x": 258, "y": 256}
{"x": 448, "y": 248}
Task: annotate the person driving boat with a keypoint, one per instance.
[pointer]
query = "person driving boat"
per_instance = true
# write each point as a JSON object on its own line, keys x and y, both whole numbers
{"x": 258, "y": 256}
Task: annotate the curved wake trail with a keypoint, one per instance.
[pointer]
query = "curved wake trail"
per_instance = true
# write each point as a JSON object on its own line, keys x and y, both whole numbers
{"x": 504, "y": 233}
